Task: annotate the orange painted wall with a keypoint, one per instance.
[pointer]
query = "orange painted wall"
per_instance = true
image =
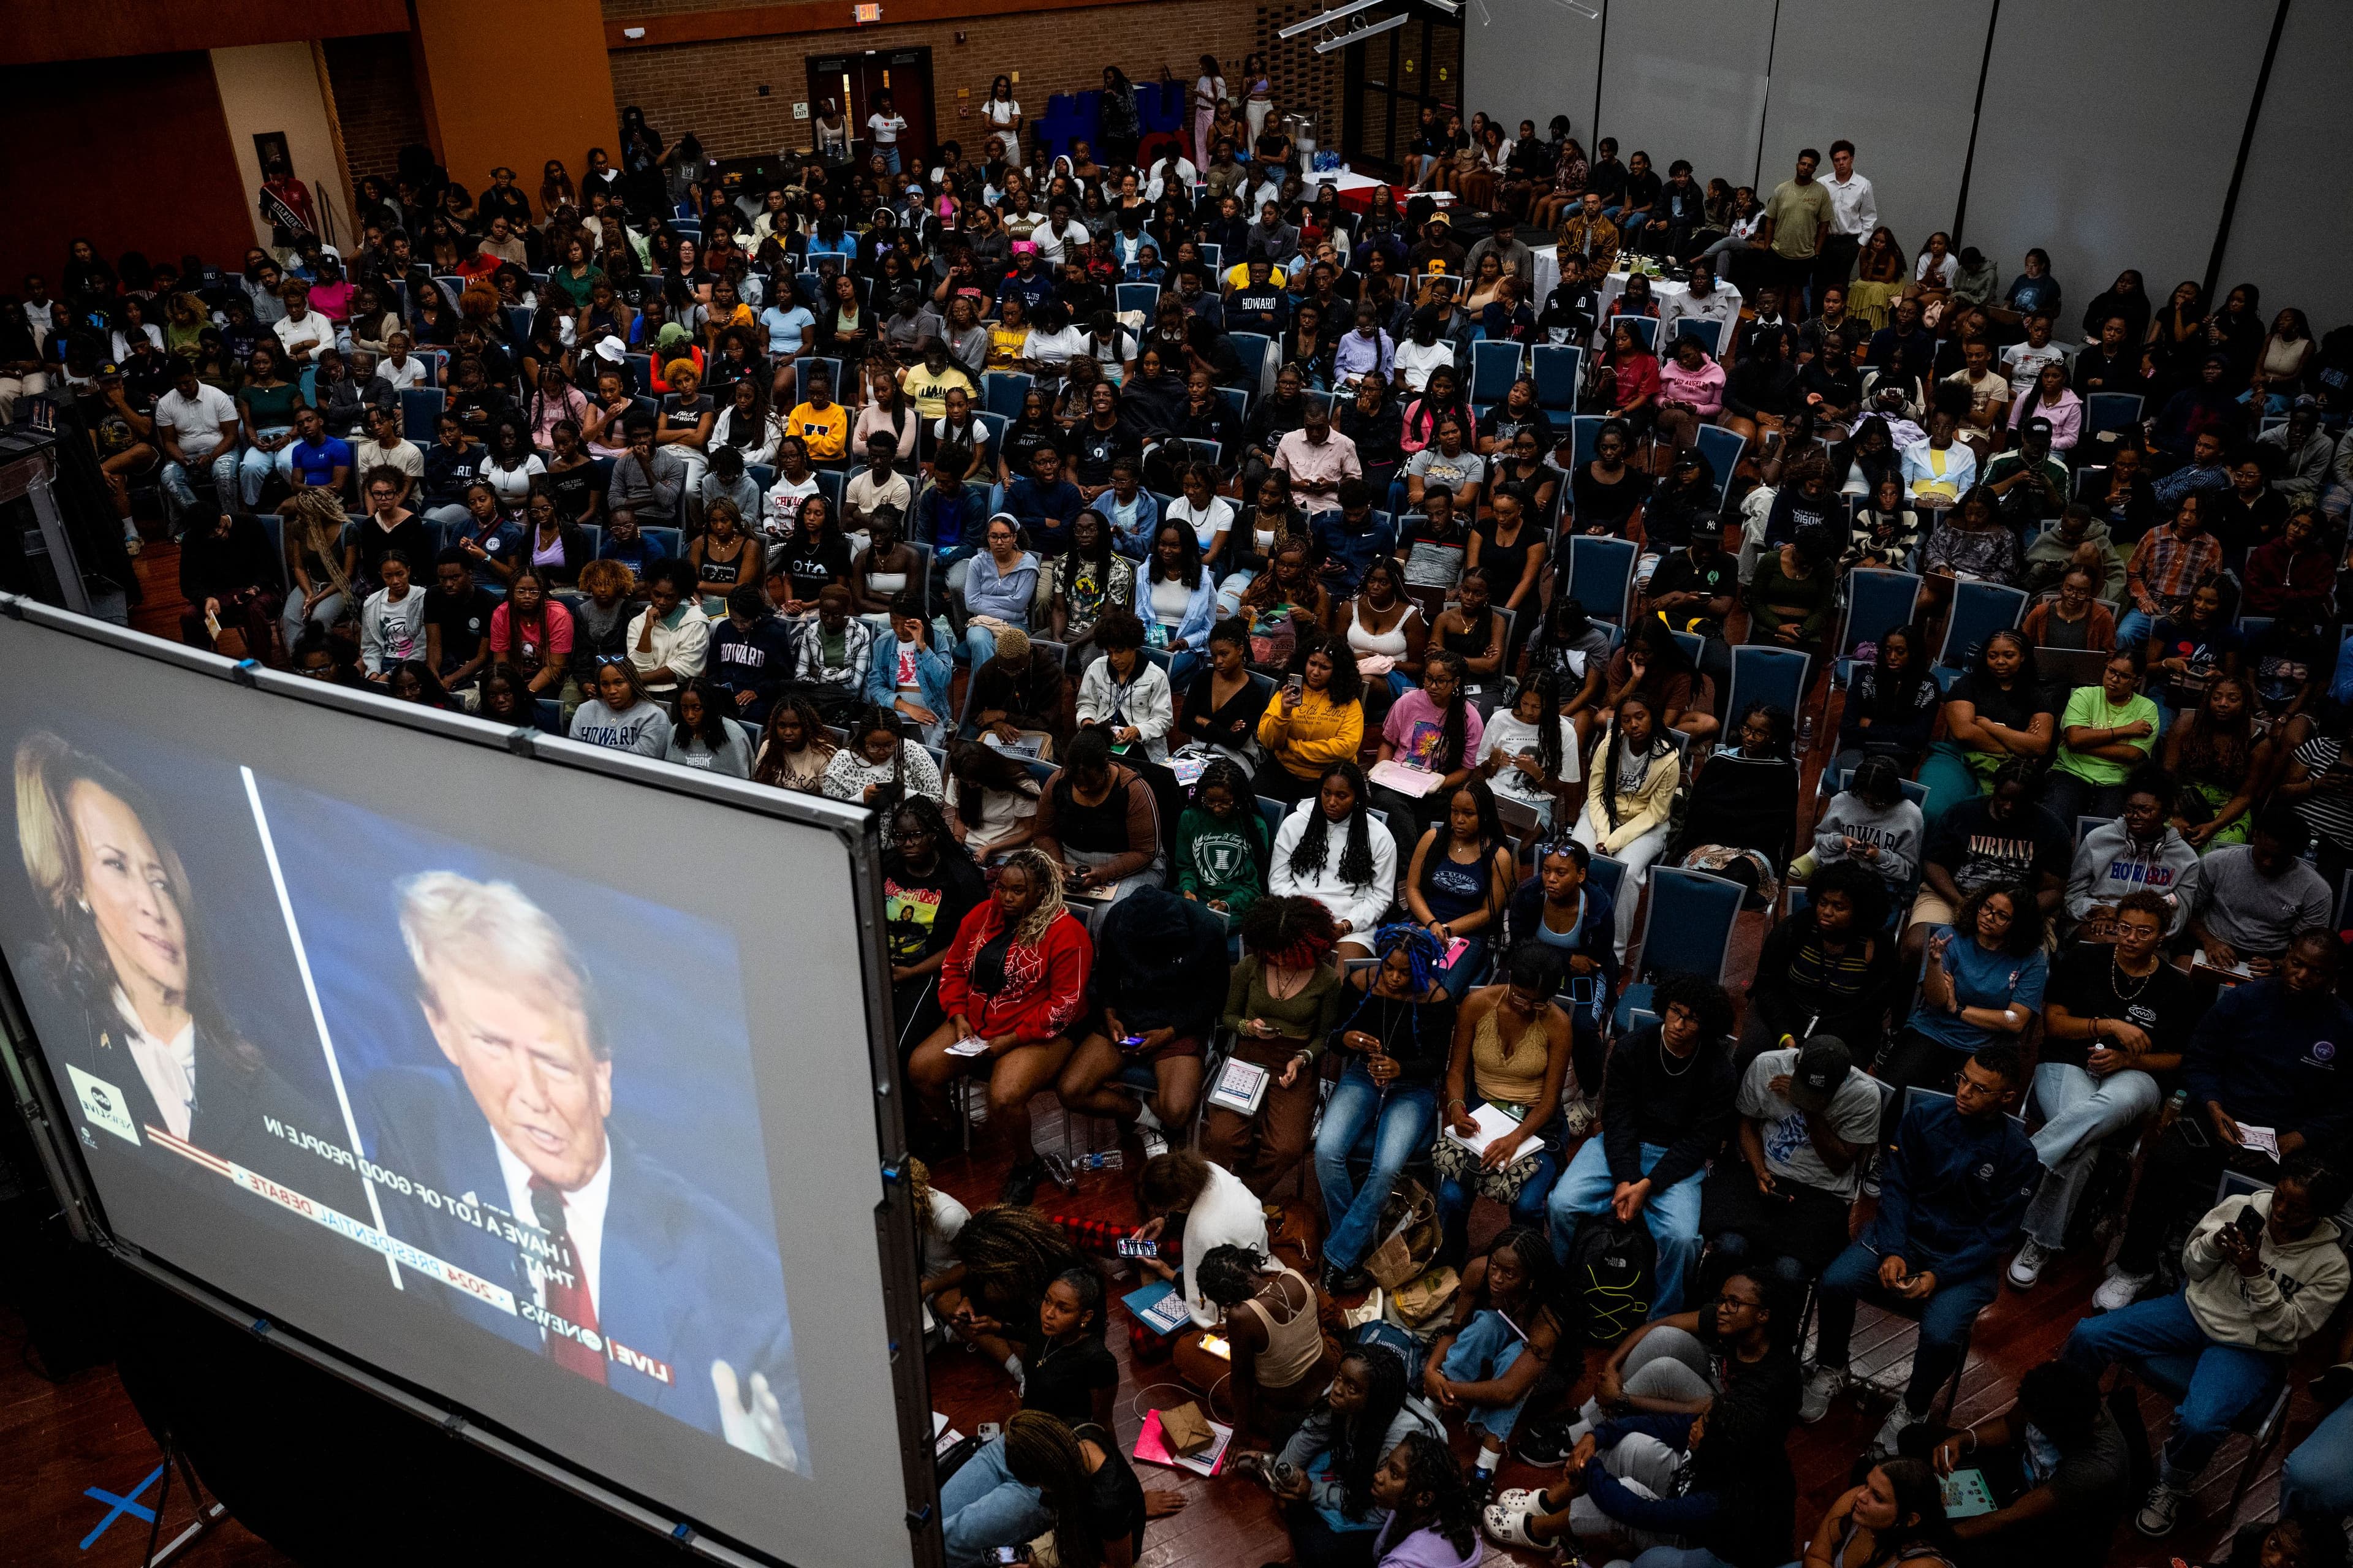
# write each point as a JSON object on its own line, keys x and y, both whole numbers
{"x": 485, "y": 113}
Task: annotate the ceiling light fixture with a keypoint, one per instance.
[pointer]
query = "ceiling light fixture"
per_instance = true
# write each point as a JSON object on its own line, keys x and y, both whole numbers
{"x": 1359, "y": 35}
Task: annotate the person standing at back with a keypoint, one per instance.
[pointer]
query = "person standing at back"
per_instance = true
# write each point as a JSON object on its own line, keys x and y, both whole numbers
{"x": 1854, "y": 213}
{"x": 1797, "y": 222}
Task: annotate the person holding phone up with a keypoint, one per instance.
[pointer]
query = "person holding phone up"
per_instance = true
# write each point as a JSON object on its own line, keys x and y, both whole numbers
{"x": 2264, "y": 1272}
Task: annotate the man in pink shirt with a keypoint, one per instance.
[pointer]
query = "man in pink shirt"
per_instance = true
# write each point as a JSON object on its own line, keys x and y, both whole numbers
{"x": 1317, "y": 458}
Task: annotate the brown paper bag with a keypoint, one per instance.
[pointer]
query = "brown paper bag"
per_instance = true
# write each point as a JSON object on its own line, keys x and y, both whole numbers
{"x": 1416, "y": 1299}
{"x": 1392, "y": 1263}
{"x": 1185, "y": 1429}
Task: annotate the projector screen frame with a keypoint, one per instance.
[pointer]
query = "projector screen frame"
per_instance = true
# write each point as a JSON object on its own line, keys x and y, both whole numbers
{"x": 40, "y": 1100}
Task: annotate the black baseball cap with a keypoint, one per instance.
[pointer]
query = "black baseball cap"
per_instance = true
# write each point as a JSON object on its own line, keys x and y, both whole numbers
{"x": 1823, "y": 1063}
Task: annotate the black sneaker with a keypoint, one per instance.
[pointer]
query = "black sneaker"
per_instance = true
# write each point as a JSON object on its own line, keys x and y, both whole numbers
{"x": 1545, "y": 1442}
{"x": 1021, "y": 1183}
{"x": 1338, "y": 1281}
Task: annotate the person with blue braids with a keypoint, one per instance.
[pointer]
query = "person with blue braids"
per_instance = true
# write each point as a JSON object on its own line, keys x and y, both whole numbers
{"x": 1395, "y": 1033}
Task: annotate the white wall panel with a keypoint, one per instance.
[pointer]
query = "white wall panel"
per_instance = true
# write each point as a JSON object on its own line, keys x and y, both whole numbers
{"x": 1531, "y": 59}
{"x": 1686, "y": 79}
{"x": 2294, "y": 226}
{"x": 2110, "y": 168}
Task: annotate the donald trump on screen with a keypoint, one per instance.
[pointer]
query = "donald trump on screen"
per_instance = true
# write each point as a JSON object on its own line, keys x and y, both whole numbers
{"x": 620, "y": 1271}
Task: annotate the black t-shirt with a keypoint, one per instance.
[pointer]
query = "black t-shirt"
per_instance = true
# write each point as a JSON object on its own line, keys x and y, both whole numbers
{"x": 1063, "y": 1378}
{"x": 2014, "y": 709}
{"x": 464, "y": 619}
{"x": 1678, "y": 574}
{"x": 1980, "y": 852}
{"x": 1644, "y": 189}
{"x": 1604, "y": 504}
{"x": 920, "y": 912}
{"x": 412, "y": 537}
{"x": 2165, "y": 1006}
{"x": 813, "y": 565}
{"x": 574, "y": 490}
{"x": 1096, "y": 449}
{"x": 1115, "y": 1500}
{"x": 1770, "y": 1384}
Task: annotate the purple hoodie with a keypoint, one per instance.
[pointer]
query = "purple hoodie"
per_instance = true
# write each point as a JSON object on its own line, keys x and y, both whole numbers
{"x": 1422, "y": 1549}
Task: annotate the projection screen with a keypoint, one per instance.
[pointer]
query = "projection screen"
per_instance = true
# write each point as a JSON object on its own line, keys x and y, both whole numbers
{"x": 549, "y": 1093}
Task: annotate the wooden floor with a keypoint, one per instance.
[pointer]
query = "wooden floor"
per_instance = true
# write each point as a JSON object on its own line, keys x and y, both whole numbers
{"x": 59, "y": 1439}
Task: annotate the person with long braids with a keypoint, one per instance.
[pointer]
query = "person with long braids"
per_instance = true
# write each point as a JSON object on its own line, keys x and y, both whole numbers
{"x": 2219, "y": 763}
{"x": 1015, "y": 980}
{"x": 1396, "y": 1031}
{"x": 1431, "y": 729}
{"x": 1431, "y": 1518}
{"x": 1459, "y": 876}
{"x": 1327, "y": 1491}
{"x": 1628, "y": 801}
{"x": 1530, "y": 753}
{"x": 1356, "y": 880}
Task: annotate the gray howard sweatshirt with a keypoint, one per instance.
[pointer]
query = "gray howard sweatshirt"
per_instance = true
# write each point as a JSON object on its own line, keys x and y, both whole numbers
{"x": 1898, "y": 831}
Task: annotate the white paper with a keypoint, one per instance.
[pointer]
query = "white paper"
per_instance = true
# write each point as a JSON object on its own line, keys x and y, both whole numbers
{"x": 1168, "y": 1314}
{"x": 971, "y": 1046}
{"x": 1493, "y": 1123}
{"x": 2263, "y": 1138}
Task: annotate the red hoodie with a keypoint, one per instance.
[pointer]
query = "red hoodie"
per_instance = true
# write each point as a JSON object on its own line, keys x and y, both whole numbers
{"x": 1045, "y": 987}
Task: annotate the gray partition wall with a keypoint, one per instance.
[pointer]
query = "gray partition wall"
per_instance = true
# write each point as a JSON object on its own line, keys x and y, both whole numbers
{"x": 2108, "y": 132}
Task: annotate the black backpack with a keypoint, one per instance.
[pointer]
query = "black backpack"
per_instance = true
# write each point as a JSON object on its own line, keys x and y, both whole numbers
{"x": 1611, "y": 1273}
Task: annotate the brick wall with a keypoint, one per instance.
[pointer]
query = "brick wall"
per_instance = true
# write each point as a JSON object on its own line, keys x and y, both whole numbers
{"x": 711, "y": 88}
{"x": 376, "y": 102}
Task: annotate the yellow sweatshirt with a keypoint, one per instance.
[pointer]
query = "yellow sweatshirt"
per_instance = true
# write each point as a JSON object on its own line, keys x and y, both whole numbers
{"x": 1322, "y": 732}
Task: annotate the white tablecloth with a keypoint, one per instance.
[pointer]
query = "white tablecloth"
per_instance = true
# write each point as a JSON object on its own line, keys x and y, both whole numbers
{"x": 1547, "y": 278}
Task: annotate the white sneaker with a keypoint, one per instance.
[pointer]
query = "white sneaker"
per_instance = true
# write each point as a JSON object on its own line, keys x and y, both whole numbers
{"x": 2027, "y": 1267}
{"x": 2157, "y": 1515}
{"x": 1900, "y": 1420}
{"x": 2119, "y": 1290}
{"x": 1155, "y": 1143}
{"x": 1871, "y": 1178}
{"x": 1821, "y": 1386}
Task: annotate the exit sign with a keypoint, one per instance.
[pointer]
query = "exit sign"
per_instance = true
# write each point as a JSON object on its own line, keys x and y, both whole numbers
{"x": 866, "y": 13}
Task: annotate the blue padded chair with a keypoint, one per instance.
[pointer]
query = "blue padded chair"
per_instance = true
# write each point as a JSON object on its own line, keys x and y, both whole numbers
{"x": 420, "y": 406}
{"x": 1601, "y": 574}
{"x": 1722, "y": 448}
{"x": 1144, "y": 297}
{"x": 1774, "y": 675}
{"x": 1644, "y": 328}
{"x": 1979, "y": 610}
{"x": 1494, "y": 368}
{"x": 1555, "y": 367}
{"x": 1001, "y": 390}
{"x": 1709, "y": 334}
{"x": 2105, "y": 411}
{"x": 1686, "y": 929}
{"x": 1876, "y": 603}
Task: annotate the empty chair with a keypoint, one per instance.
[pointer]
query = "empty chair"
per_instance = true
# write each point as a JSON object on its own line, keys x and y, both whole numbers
{"x": 420, "y": 407}
{"x": 1686, "y": 929}
{"x": 1877, "y": 602}
{"x": 1002, "y": 391}
{"x": 2105, "y": 411}
{"x": 1601, "y": 575}
{"x": 1722, "y": 448}
{"x": 1144, "y": 297}
{"x": 1555, "y": 367}
{"x": 1709, "y": 334}
{"x": 1773, "y": 675}
{"x": 1494, "y": 368}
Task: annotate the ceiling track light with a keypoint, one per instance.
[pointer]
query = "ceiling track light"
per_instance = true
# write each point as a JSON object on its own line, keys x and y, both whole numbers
{"x": 1323, "y": 18}
{"x": 1359, "y": 35}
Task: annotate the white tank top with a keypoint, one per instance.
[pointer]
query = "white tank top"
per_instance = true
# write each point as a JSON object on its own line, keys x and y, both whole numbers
{"x": 1392, "y": 643}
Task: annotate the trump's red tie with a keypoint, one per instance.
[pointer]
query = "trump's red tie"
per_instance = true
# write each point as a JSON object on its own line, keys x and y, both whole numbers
{"x": 568, "y": 1301}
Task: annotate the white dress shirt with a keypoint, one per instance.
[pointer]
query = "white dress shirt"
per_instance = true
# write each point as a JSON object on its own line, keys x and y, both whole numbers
{"x": 584, "y": 1219}
{"x": 168, "y": 1067}
{"x": 1855, "y": 209}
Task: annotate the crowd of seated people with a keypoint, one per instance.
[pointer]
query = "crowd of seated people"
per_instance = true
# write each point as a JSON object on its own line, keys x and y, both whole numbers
{"x": 1150, "y": 544}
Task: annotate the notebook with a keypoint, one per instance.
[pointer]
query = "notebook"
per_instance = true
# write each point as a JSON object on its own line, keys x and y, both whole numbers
{"x": 1413, "y": 782}
{"x": 1241, "y": 1087}
{"x": 1159, "y": 1308}
{"x": 1492, "y": 1120}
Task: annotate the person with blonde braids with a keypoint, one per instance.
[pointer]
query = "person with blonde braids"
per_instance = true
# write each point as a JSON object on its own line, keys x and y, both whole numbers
{"x": 323, "y": 559}
{"x": 1014, "y": 983}
{"x": 1043, "y": 1476}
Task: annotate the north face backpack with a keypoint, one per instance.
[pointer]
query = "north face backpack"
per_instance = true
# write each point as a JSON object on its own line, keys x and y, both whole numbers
{"x": 1611, "y": 1273}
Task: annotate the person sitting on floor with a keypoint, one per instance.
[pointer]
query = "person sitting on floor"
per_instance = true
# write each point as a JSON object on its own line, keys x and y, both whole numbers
{"x": 1950, "y": 1198}
{"x": 1327, "y": 1492}
{"x": 2060, "y": 1458}
{"x": 1210, "y": 1208}
{"x": 1507, "y": 1325}
{"x": 1278, "y": 1357}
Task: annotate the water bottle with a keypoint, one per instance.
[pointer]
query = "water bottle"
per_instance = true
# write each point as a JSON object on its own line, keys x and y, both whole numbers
{"x": 1806, "y": 734}
{"x": 2173, "y": 1108}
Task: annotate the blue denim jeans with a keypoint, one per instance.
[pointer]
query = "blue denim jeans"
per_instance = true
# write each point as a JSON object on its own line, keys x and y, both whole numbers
{"x": 180, "y": 492}
{"x": 2080, "y": 1113}
{"x": 1484, "y": 1350}
{"x": 982, "y": 1506}
{"x": 2319, "y": 1473}
{"x": 255, "y": 466}
{"x": 1672, "y": 1216}
{"x": 1944, "y": 1317}
{"x": 1395, "y": 1124}
{"x": 2219, "y": 1382}
{"x": 2133, "y": 629}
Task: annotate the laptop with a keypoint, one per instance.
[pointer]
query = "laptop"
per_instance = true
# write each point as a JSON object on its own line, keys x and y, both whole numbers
{"x": 2071, "y": 666}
